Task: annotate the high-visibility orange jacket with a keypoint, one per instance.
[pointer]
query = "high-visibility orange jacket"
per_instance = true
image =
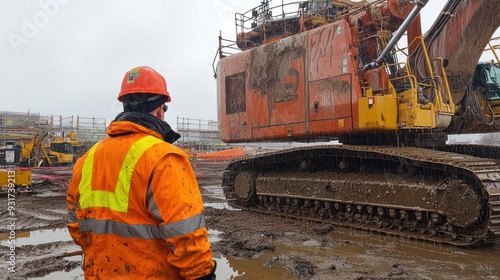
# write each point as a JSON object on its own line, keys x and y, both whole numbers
{"x": 135, "y": 207}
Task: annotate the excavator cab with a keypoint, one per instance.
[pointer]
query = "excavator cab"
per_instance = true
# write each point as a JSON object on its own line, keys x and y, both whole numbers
{"x": 486, "y": 85}
{"x": 486, "y": 80}
{"x": 61, "y": 153}
{"x": 65, "y": 148}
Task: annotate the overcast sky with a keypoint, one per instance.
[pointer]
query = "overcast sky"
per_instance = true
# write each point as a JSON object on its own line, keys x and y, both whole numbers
{"x": 67, "y": 57}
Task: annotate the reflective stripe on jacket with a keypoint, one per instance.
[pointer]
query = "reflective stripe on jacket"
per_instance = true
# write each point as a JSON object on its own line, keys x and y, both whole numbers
{"x": 136, "y": 210}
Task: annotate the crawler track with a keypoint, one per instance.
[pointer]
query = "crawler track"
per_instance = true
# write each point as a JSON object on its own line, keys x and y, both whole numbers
{"x": 439, "y": 196}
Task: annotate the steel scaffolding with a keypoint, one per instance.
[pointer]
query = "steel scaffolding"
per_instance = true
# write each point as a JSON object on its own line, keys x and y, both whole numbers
{"x": 199, "y": 135}
{"x": 15, "y": 124}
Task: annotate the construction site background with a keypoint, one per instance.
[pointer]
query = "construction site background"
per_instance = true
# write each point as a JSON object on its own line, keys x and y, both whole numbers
{"x": 197, "y": 137}
{"x": 201, "y": 137}
{"x": 88, "y": 130}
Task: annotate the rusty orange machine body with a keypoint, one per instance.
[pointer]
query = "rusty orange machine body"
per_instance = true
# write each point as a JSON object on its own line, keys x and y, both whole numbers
{"x": 333, "y": 70}
{"x": 269, "y": 94}
{"x": 303, "y": 75}
{"x": 309, "y": 85}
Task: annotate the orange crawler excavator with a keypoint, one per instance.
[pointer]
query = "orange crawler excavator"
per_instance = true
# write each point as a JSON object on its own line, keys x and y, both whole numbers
{"x": 332, "y": 70}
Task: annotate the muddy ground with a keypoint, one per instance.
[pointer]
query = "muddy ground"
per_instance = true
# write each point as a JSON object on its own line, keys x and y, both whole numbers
{"x": 246, "y": 246}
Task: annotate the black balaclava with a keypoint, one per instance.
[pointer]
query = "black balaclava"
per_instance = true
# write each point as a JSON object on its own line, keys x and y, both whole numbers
{"x": 142, "y": 102}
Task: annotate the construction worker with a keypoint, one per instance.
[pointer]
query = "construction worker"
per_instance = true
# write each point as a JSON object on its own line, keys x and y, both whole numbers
{"x": 134, "y": 204}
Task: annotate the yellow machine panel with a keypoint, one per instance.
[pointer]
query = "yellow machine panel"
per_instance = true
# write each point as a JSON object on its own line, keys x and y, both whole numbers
{"x": 377, "y": 112}
{"x": 14, "y": 178}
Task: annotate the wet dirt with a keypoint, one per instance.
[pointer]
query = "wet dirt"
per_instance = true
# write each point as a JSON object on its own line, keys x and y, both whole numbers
{"x": 247, "y": 245}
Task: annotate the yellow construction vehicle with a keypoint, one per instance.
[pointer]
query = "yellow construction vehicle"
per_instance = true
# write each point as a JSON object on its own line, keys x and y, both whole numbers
{"x": 14, "y": 180}
{"x": 23, "y": 150}
{"x": 33, "y": 153}
{"x": 70, "y": 137}
{"x": 30, "y": 151}
{"x": 63, "y": 149}
{"x": 486, "y": 83}
{"x": 61, "y": 153}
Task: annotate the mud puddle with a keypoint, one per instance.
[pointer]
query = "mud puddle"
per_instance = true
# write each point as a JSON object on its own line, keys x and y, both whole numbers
{"x": 214, "y": 191}
{"x": 37, "y": 237}
{"x": 398, "y": 256}
{"x": 76, "y": 274}
{"x": 219, "y": 205}
{"x": 362, "y": 255}
{"x": 213, "y": 197}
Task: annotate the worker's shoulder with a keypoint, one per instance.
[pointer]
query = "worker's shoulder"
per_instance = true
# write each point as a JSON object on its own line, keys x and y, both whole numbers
{"x": 168, "y": 148}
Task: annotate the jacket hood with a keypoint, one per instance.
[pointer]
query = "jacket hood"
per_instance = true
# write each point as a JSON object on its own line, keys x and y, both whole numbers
{"x": 141, "y": 122}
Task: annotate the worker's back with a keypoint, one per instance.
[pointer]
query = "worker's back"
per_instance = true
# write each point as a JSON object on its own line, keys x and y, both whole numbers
{"x": 127, "y": 217}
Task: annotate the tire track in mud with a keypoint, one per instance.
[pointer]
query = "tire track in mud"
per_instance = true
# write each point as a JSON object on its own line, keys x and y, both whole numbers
{"x": 35, "y": 212}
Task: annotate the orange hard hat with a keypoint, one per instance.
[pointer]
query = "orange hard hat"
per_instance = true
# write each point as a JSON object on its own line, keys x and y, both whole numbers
{"x": 143, "y": 79}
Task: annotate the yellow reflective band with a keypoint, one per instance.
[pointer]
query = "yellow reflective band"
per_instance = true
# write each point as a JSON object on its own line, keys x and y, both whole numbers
{"x": 117, "y": 200}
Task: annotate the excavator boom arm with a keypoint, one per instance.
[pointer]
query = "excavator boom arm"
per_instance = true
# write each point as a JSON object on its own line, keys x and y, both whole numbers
{"x": 459, "y": 35}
